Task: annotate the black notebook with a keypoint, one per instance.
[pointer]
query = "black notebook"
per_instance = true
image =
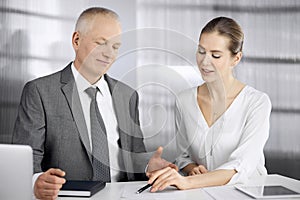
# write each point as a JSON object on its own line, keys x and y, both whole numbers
{"x": 80, "y": 188}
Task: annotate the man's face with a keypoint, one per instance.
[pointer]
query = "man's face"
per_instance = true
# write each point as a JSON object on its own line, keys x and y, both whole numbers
{"x": 97, "y": 48}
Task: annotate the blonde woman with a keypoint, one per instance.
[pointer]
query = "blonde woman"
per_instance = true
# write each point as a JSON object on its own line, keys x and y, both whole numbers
{"x": 222, "y": 124}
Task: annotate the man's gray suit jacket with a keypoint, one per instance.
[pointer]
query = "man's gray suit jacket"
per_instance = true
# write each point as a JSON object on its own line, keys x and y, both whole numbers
{"x": 50, "y": 119}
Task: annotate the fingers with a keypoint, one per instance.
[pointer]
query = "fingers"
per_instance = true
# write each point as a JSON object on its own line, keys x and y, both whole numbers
{"x": 158, "y": 152}
{"x": 48, "y": 194}
{"x": 160, "y": 181}
{"x": 170, "y": 181}
{"x": 156, "y": 162}
{"x": 166, "y": 177}
{"x": 198, "y": 170}
{"x": 194, "y": 171}
{"x": 52, "y": 179}
{"x": 148, "y": 174}
{"x": 174, "y": 166}
{"x": 57, "y": 172}
{"x": 154, "y": 175}
{"x": 202, "y": 169}
{"x": 49, "y": 183}
{"x": 168, "y": 164}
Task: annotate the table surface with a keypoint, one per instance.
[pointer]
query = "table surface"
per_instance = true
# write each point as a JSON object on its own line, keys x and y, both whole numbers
{"x": 116, "y": 190}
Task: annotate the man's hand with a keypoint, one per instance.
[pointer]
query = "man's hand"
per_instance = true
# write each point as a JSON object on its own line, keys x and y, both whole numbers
{"x": 48, "y": 184}
{"x": 157, "y": 163}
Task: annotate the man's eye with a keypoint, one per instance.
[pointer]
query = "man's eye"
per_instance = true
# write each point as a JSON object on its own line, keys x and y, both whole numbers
{"x": 100, "y": 43}
{"x": 116, "y": 47}
{"x": 216, "y": 56}
{"x": 201, "y": 51}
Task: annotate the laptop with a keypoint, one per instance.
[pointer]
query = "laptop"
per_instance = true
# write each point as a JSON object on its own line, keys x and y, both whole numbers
{"x": 16, "y": 172}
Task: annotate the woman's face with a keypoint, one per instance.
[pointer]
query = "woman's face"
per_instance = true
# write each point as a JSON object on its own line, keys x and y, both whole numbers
{"x": 214, "y": 59}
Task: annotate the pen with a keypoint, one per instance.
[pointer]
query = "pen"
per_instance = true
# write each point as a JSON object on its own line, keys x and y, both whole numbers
{"x": 143, "y": 188}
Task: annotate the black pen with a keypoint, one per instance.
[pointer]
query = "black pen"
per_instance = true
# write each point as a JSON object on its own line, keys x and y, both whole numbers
{"x": 143, "y": 188}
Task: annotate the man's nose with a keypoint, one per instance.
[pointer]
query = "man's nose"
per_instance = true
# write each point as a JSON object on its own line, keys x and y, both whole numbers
{"x": 108, "y": 52}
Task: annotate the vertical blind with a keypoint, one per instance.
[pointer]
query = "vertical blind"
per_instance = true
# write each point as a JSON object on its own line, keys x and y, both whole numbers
{"x": 271, "y": 63}
{"x": 35, "y": 41}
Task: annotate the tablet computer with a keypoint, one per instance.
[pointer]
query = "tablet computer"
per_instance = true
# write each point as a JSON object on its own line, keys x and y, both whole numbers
{"x": 268, "y": 191}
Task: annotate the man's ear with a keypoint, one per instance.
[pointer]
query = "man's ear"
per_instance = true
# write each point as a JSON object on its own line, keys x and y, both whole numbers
{"x": 75, "y": 40}
{"x": 237, "y": 59}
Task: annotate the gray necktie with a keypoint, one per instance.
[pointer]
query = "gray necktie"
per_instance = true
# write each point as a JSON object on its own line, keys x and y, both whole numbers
{"x": 101, "y": 169}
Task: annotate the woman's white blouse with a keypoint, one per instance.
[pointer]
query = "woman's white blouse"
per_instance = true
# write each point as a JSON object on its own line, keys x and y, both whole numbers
{"x": 235, "y": 141}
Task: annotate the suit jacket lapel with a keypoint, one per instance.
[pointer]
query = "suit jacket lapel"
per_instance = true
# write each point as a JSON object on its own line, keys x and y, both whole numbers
{"x": 133, "y": 162}
{"x": 120, "y": 110}
{"x": 69, "y": 89}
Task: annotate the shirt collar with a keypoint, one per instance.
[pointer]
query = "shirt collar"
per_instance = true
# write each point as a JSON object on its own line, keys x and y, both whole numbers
{"x": 83, "y": 84}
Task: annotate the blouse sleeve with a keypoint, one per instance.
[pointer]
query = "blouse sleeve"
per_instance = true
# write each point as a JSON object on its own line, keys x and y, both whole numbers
{"x": 183, "y": 158}
{"x": 246, "y": 157}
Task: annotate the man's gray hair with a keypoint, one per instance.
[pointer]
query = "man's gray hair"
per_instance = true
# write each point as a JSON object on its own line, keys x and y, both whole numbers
{"x": 88, "y": 14}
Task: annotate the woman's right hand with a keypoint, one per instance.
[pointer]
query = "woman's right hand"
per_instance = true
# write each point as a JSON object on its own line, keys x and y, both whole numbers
{"x": 200, "y": 169}
{"x": 168, "y": 176}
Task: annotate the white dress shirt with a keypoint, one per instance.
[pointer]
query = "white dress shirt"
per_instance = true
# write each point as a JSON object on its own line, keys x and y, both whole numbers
{"x": 105, "y": 105}
{"x": 235, "y": 141}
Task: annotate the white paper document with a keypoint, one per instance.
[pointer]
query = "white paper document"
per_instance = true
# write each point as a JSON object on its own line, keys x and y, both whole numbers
{"x": 226, "y": 193}
{"x": 129, "y": 192}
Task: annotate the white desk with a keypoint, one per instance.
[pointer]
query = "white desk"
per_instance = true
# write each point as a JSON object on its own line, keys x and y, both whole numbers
{"x": 116, "y": 190}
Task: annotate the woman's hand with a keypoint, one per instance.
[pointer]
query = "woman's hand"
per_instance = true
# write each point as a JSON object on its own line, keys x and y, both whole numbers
{"x": 200, "y": 169}
{"x": 167, "y": 177}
